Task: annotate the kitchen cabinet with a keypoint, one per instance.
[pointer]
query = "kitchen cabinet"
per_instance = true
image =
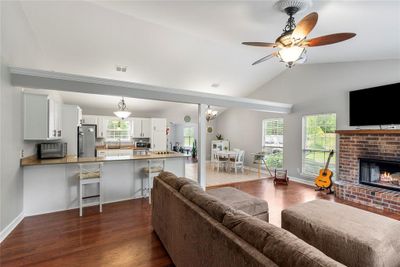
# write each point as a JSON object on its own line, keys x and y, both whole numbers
{"x": 71, "y": 119}
{"x": 158, "y": 134}
{"x": 89, "y": 119}
{"x": 102, "y": 127}
{"x": 99, "y": 121}
{"x": 42, "y": 117}
{"x": 141, "y": 128}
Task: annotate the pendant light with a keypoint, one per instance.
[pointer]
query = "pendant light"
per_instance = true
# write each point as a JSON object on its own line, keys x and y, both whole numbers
{"x": 122, "y": 111}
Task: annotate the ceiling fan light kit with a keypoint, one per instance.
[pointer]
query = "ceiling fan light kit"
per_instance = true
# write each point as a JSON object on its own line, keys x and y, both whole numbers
{"x": 292, "y": 42}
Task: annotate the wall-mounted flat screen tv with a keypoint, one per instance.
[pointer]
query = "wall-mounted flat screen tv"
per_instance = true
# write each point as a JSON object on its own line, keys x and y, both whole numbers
{"x": 375, "y": 106}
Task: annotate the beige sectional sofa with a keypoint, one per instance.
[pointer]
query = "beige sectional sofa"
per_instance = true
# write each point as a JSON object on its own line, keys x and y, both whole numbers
{"x": 198, "y": 229}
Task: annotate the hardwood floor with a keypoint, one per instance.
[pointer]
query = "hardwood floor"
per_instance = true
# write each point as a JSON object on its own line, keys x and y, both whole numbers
{"x": 122, "y": 235}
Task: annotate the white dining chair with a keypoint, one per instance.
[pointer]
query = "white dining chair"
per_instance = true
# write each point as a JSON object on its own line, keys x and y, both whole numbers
{"x": 238, "y": 161}
{"x": 222, "y": 161}
{"x": 214, "y": 159}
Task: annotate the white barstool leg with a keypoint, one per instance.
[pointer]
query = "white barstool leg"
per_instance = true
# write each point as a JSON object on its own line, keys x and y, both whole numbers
{"x": 101, "y": 195}
{"x": 80, "y": 197}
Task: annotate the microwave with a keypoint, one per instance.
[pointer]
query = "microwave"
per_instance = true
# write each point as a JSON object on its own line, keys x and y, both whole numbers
{"x": 52, "y": 150}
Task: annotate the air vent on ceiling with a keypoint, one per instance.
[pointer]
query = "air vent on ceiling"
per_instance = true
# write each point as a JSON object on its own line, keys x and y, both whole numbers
{"x": 121, "y": 68}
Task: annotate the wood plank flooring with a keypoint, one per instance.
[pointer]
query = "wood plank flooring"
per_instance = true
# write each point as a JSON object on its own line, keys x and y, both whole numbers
{"x": 122, "y": 235}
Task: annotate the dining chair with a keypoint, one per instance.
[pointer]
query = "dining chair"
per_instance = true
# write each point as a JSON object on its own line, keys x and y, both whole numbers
{"x": 238, "y": 161}
{"x": 222, "y": 161}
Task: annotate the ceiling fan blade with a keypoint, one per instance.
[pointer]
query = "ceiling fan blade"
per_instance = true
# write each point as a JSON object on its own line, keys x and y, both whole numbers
{"x": 264, "y": 58}
{"x": 329, "y": 39}
{"x": 305, "y": 26}
{"x": 262, "y": 44}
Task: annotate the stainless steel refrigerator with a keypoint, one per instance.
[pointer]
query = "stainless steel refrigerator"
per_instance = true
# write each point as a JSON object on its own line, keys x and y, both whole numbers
{"x": 87, "y": 140}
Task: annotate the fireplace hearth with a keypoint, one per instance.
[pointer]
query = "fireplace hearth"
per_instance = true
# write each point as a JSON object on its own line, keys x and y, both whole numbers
{"x": 380, "y": 173}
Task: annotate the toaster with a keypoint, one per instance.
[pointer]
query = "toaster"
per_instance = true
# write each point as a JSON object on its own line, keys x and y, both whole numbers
{"x": 52, "y": 150}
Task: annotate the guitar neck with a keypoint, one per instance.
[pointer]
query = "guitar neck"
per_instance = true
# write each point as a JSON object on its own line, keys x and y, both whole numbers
{"x": 328, "y": 161}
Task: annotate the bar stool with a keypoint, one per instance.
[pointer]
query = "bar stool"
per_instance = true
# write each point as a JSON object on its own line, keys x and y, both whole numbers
{"x": 151, "y": 172}
{"x": 90, "y": 173}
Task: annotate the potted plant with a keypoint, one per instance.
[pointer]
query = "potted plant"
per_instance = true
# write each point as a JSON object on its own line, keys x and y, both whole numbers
{"x": 194, "y": 149}
{"x": 219, "y": 137}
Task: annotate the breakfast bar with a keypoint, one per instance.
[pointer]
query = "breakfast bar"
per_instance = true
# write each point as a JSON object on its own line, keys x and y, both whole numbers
{"x": 53, "y": 184}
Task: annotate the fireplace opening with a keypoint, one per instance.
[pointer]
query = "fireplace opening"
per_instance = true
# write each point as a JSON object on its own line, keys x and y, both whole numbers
{"x": 380, "y": 173}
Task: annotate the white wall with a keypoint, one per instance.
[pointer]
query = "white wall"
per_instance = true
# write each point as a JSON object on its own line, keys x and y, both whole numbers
{"x": 18, "y": 48}
{"x": 313, "y": 89}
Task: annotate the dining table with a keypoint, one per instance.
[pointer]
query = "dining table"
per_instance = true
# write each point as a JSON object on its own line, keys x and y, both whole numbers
{"x": 227, "y": 153}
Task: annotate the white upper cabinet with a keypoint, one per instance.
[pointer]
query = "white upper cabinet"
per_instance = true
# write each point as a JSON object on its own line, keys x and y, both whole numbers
{"x": 42, "y": 117}
{"x": 158, "y": 134}
{"x": 71, "y": 119}
{"x": 146, "y": 128}
{"x": 89, "y": 119}
{"x": 102, "y": 127}
{"x": 141, "y": 128}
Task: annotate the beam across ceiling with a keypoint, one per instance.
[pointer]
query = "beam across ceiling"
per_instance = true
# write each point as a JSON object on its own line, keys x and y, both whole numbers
{"x": 41, "y": 79}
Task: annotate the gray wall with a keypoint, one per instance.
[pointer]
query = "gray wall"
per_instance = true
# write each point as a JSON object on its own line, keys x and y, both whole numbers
{"x": 18, "y": 48}
{"x": 313, "y": 89}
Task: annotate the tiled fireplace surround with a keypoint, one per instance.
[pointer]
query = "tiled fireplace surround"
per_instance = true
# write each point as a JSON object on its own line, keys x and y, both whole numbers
{"x": 375, "y": 144}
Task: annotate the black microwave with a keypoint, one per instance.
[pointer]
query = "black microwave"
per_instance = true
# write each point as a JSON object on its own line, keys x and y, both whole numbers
{"x": 52, "y": 150}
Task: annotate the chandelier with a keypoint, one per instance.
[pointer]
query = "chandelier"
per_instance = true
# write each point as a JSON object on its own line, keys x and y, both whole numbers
{"x": 122, "y": 111}
{"x": 211, "y": 114}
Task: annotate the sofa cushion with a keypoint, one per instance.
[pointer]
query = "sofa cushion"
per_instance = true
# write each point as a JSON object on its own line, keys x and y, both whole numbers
{"x": 352, "y": 236}
{"x": 282, "y": 247}
{"x": 174, "y": 181}
{"x": 215, "y": 208}
{"x": 240, "y": 200}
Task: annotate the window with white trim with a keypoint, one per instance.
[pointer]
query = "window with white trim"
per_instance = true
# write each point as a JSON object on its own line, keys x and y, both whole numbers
{"x": 272, "y": 140}
{"x": 188, "y": 136}
{"x": 319, "y": 139}
{"x": 118, "y": 130}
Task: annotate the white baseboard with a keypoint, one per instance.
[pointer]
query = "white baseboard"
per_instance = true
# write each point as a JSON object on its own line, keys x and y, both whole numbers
{"x": 292, "y": 178}
{"x": 6, "y": 231}
{"x": 77, "y": 206}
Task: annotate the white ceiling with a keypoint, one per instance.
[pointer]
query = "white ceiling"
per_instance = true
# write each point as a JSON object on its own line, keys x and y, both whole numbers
{"x": 192, "y": 44}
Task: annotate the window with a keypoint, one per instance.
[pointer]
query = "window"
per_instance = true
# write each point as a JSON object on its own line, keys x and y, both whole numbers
{"x": 273, "y": 142}
{"x": 188, "y": 136}
{"x": 318, "y": 140}
{"x": 118, "y": 130}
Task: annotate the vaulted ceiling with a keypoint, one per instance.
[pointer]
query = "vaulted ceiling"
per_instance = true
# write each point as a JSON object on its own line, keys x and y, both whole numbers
{"x": 193, "y": 44}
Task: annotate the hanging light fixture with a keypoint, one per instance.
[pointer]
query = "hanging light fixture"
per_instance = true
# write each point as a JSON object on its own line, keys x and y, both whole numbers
{"x": 122, "y": 111}
{"x": 211, "y": 114}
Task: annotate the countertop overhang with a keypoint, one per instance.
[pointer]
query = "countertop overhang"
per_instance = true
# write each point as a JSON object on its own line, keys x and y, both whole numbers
{"x": 69, "y": 159}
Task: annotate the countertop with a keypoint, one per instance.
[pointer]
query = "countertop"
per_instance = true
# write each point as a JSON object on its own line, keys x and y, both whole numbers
{"x": 33, "y": 161}
{"x": 122, "y": 147}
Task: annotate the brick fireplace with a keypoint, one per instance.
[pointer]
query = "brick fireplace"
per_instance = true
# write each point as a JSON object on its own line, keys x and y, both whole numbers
{"x": 376, "y": 150}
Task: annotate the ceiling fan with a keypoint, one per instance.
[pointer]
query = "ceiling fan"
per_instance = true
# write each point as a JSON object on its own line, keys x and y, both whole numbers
{"x": 292, "y": 43}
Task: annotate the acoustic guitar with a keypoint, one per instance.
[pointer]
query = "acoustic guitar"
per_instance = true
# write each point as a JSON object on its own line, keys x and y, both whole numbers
{"x": 324, "y": 179}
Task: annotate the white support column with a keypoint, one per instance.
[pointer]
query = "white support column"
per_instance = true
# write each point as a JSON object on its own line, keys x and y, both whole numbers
{"x": 201, "y": 145}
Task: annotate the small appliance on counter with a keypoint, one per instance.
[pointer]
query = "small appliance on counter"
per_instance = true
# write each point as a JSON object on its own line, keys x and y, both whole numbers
{"x": 87, "y": 140}
{"x": 52, "y": 150}
{"x": 143, "y": 143}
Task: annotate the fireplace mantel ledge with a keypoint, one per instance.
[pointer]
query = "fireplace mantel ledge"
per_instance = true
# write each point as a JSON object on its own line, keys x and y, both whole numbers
{"x": 369, "y": 131}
